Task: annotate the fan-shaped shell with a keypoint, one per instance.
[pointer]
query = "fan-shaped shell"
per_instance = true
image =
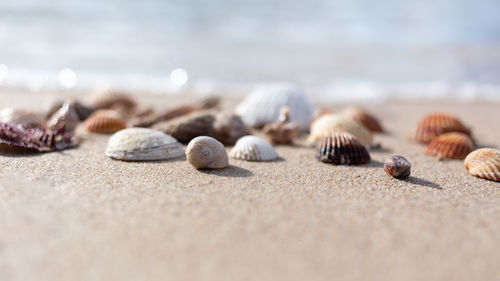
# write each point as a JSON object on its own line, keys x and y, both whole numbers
{"x": 450, "y": 145}
{"x": 104, "y": 122}
{"x": 252, "y": 148}
{"x": 206, "y": 153}
{"x": 262, "y": 106}
{"x": 142, "y": 144}
{"x": 25, "y": 118}
{"x": 331, "y": 123}
{"x": 107, "y": 98}
{"x": 484, "y": 163}
{"x": 342, "y": 148}
{"x": 435, "y": 124}
{"x": 363, "y": 117}
{"x": 187, "y": 127}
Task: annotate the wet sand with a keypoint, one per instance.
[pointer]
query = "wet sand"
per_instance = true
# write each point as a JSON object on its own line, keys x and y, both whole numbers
{"x": 78, "y": 215}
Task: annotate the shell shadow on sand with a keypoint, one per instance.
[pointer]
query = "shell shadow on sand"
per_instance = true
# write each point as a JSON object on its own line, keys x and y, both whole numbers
{"x": 422, "y": 182}
{"x": 231, "y": 172}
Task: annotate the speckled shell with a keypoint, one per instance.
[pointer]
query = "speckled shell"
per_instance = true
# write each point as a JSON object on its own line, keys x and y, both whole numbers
{"x": 187, "y": 127}
{"x": 450, "y": 145}
{"x": 252, "y": 148}
{"x": 484, "y": 163}
{"x": 107, "y": 98}
{"x": 104, "y": 122}
{"x": 228, "y": 128}
{"x": 66, "y": 116}
{"x": 331, "y": 123}
{"x": 142, "y": 144}
{"x": 363, "y": 117}
{"x": 342, "y": 148}
{"x": 25, "y": 118}
{"x": 206, "y": 153}
{"x": 435, "y": 124}
{"x": 262, "y": 106}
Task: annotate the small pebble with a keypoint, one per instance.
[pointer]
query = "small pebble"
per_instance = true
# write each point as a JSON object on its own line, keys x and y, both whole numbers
{"x": 398, "y": 167}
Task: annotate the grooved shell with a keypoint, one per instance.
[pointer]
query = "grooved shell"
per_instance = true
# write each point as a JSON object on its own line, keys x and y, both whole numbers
{"x": 450, "y": 145}
{"x": 206, "y": 153}
{"x": 484, "y": 163}
{"x": 263, "y": 105}
{"x": 342, "y": 148}
{"x": 331, "y": 123}
{"x": 66, "y": 116}
{"x": 107, "y": 98}
{"x": 104, "y": 122}
{"x": 435, "y": 124}
{"x": 363, "y": 117}
{"x": 252, "y": 148}
{"x": 187, "y": 127}
{"x": 25, "y": 118}
{"x": 142, "y": 144}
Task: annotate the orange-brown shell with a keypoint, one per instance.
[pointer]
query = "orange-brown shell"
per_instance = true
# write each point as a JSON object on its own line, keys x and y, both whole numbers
{"x": 435, "y": 124}
{"x": 484, "y": 163}
{"x": 104, "y": 122}
{"x": 450, "y": 145}
{"x": 363, "y": 117}
{"x": 110, "y": 99}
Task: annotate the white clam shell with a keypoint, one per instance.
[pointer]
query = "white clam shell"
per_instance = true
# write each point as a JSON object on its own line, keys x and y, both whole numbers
{"x": 142, "y": 144}
{"x": 331, "y": 123}
{"x": 252, "y": 148}
{"x": 206, "y": 153}
{"x": 263, "y": 105}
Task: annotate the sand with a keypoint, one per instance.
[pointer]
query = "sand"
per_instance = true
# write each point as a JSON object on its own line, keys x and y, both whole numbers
{"x": 77, "y": 215}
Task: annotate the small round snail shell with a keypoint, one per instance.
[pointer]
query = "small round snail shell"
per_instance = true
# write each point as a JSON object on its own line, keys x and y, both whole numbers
{"x": 398, "y": 167}
{"x": 206, "y": 153}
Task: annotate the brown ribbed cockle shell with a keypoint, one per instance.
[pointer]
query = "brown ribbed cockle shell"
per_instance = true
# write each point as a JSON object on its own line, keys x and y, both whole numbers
{"x": 104, "y": 121}
{"x": 435, "y": 124}
{"x": 450, "y": 145}
{"x": 342, "y": 149}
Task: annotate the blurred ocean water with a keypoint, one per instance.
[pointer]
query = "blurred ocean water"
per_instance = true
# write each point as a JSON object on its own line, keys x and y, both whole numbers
{"x": 357, "y": 49}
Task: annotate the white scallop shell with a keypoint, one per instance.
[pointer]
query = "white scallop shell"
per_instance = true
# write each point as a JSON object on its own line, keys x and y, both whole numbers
{"x": 142, "y": 144}
{"x": 252, "y": 148}
{"x": 330, "y": 123}
{"x": 263, "y": 105}
{"x": 206, "y": 153}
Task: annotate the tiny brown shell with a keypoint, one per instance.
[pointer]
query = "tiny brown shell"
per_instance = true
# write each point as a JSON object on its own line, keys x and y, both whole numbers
{"x": 186, "y": 128}
{"x": 484, "y": 163}
{"x": 342, "y": 149}
{"x": 363, "y": 117}
{"x": 228, "y": 128}
{"x": 398, "y": 167}
{"x": 104, "y": 122}
{"x": 110, "y": 99}
{"x": 435, "y": 124}
{"x": 450, "y": 145}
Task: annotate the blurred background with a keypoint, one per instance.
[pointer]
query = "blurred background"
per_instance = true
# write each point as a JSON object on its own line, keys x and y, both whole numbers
{"x": 335, "y": 49}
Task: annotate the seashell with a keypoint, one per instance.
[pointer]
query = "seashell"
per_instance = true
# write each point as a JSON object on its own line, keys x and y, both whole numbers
{"x": 252, "y": 148}
{"x": 186, "y": 128}
{"x": 331, "y": 123}
{"x": 263, "y": 105}
{"x": 25, "y": 118}
{"x": 66, "y": 116}
{"x": 143, "y": 118}
{"x": 228, "y": 128}
{"x": 435, "y": 124}
{"x": 143, "y": 144}
{"x": 341, "y": 148}
{"x": 104, "y": 121}
{"x": 362, "y": 117}
{"x": 398, "y": 167}
{"x": 175, "y": 112}
{"x": 450, "y": 145}
{"x": 206, "y": 153}
{"x": 283, "y": 131}
{"x": 318, "y": 113}
{"x": 82, "y": 110}
{"x": 39, "y": 139}
{"x": 484, "y": 163}
{"x": 106, "y": 98}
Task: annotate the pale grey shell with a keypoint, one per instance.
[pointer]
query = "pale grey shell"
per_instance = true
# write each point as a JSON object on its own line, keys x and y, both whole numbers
{"x": 331, "y": 123}
{"x": 263, "y": 105}
{"x": 142, "y": 144}
{"x": 206, "y": 153}
{"x": 253, "y": 148}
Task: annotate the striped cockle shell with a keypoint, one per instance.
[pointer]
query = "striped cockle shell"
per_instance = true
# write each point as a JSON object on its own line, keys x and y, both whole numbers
{"x": 342, "y": 148}
{"x": 66, "y": 116}
{"x": 363, "y": 117}
{"x": 262, "y": 106}
{"x": 104, "y": 121}
{"x": 450, "y": 145}
{"x": 484, "y": 163}
{"x": 143, "y": 144}
{"x": 27, "y": 119}
{"x": 206, "y": 153}
{"x": 435, "y": 124}
{"x": 331, "y": 123}
{"x": 252, "y": 148}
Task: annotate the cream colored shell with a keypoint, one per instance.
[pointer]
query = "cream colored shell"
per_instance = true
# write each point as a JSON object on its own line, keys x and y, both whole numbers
{"x": 331, "y": 123}
{"x": 252, "y": 148}
{"x": 206, "y": 153}
{"x": 142, "y": 144}
{"x": 484, "y": 163}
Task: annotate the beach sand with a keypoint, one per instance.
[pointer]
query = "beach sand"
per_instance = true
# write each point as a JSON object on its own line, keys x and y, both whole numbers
{"x": 78, "y": 215}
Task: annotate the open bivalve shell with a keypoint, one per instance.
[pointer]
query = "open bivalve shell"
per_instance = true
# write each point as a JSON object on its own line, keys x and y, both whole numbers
{"x": 252, "y": 148}
{"x": 331, "y": 123}
{"x": 206, "y": 153}
{"x": 342, "y": 148}
{"x": 142, "y": 144}
{"x": 263, "y": 105}
{"x": 484, "y": 163}
{"x": 450, "y": 145}
{"x": 435, "y": 124}
{"x": 104, "y": 121}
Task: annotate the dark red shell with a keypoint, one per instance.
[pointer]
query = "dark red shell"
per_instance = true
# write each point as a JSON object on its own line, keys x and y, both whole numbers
{"x": 342, "y": 149}
{"x": 35, "y": 138}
